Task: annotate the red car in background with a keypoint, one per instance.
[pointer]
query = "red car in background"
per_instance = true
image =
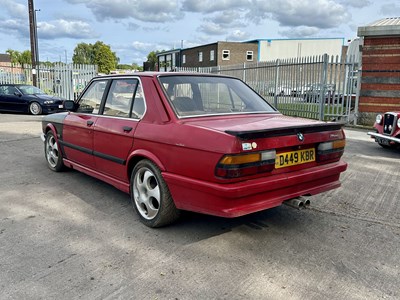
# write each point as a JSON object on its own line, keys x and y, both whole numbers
{"x": 387, "y": 128}
{"x": 196, "y": 142}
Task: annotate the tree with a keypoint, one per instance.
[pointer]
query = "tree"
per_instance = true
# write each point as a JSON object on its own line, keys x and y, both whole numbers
{"x": 26, "y": 58}
{"x": 104, "y": 57}
{"x": 83, "y": 54}
{"x": 21, "y": 58}
{"x": 152, "y": 60}
{"x": 98, "y": 54}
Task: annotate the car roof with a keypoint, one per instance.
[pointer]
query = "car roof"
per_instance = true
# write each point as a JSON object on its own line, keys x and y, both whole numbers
{"x": 156, "y": 74}
{"x": 15, "y": 84}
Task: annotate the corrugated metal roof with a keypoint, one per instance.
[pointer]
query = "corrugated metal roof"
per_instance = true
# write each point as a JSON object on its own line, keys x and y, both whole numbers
{"x": 386, "y": 22}
{"x": 387, "y": 26}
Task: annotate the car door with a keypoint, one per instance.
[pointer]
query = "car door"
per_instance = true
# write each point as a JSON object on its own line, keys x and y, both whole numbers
{"x": 79, "y": 125}
{"x": 12, "y": 99}
{"x": 114, "y": 129}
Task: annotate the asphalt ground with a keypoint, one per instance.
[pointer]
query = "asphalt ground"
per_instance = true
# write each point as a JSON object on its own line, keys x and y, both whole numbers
{"x": 69, "y": 236}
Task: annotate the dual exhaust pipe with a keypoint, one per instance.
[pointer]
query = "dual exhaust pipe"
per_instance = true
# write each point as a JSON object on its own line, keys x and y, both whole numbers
{"x": 298, "y": 203}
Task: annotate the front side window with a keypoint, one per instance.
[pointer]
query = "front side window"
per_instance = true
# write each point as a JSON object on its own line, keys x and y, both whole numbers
{"x": 211, "y": 95}
{"x": 91, "y": 99}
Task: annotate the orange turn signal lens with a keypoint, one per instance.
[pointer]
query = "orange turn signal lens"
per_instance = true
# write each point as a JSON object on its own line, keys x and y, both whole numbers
{"x": 240, "y": 159}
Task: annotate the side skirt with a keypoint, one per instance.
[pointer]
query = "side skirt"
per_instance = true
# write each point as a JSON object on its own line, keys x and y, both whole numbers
{"x": 123, "y": 186}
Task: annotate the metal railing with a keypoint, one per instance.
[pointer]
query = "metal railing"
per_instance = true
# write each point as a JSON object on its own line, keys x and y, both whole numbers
{"x": 319, "y": 87}
{"x": 63, "y": 80}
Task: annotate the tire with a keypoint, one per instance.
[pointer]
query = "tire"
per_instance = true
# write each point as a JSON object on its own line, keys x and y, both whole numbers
{"x": 396, "y": 146}
{"x": 53, "y": 156}
{"x": 35, "y": 108}
{"x": 150, "y": 196}
{"x": 384, "y": 146}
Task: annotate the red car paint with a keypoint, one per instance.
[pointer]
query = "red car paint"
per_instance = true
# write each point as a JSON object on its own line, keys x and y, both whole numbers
{"x": 187, "y": 150}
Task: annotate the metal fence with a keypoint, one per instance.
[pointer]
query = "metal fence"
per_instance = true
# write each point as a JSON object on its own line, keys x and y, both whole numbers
{"x": 319, "y": 87}
{"x": 63, "y": 80}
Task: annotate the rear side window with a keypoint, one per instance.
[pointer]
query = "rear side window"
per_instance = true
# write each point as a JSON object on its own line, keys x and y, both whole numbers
{"x": 120, "y": 97}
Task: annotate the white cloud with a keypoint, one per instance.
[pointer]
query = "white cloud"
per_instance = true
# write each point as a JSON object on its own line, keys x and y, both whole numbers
{"x": 311, "y": 13}
{"x": 15, "y": 27}
{"x": 356, "y": 3}
{"x": 230, "y": 18}
{"x": 65, "y": 29}
{"x": 212, "y": 29}
{"x": 238, "y": 35}
{"x": 210, "y": 6}
{"x": 155, "y": 11}
{"x": 15, "y": 10}
{"x": 300, "y": 32}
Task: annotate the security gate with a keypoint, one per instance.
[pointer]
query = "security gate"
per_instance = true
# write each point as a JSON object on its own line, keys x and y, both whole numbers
{"x": 319, "y": 87}
{"x": 63, "y": 80}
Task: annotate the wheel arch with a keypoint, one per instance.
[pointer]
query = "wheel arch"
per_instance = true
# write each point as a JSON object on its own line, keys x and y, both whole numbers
{"x": 139, "y": 155}
{"x": 51, "y": 127}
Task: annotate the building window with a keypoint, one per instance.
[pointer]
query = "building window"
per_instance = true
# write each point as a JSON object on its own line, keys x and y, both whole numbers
{"x": 184, "y": 59}
{"x": 226, "y": 54}
{"x": 200, "y": 56}
{"x": 249, "y": 55}
{"x": 212, "y": 55}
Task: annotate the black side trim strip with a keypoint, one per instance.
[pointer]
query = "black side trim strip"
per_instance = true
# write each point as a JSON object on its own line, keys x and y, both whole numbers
{"x": 275, "y": 132}
{"x": 109, "y": 157}
{"x": 75, "y": 147}
{"x": 94, "y": 153}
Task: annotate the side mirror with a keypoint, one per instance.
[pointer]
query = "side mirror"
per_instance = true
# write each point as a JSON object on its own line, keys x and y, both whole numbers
{"x": 69, "y": 105}
{"x": 18, "y": 94}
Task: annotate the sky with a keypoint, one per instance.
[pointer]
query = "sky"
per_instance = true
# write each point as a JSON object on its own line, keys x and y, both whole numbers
{"x": 134, "y": 28}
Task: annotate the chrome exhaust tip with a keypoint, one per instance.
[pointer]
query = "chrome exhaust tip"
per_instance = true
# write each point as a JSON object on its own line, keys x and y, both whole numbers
{"x": 306, "y": 201}
{"x": 298, "y": 203}
{"x": 295, "y": 203}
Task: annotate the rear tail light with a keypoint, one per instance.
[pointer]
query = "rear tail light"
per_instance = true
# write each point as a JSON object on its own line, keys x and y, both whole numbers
{"x": 330, "y": 150}
{"x": 233, "y": 166}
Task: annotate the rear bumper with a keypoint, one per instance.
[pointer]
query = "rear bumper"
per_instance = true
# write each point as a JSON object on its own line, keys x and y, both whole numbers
{"x": 378, "y": 136}
{"x": 237, "y": 199}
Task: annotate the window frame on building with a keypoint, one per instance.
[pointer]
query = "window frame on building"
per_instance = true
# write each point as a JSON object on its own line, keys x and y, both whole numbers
{"x": 249, "y": 53}
{"x": 226, "y": 52}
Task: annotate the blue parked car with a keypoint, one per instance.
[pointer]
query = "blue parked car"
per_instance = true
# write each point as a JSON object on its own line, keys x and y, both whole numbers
{"x": 28, "y": 99}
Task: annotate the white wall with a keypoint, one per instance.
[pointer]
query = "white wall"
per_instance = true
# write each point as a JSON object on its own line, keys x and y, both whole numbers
{"x": 282, "y": 49}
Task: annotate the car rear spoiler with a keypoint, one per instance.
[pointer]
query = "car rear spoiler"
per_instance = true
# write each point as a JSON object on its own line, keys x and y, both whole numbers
{"x": 275, "y": 132}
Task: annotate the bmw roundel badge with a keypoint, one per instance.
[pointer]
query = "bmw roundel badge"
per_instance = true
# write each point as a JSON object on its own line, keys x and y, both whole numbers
{"x": 300, "y": 136}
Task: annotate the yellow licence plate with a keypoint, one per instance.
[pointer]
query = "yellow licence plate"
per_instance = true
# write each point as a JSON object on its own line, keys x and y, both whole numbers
{"x": 292, "y": 158}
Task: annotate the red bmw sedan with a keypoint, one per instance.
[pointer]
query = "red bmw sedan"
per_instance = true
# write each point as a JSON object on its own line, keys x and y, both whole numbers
{"x": 196, "y": 142}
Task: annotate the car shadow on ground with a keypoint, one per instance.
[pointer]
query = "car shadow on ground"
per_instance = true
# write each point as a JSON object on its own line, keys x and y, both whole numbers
{"x": 190, "y": 227}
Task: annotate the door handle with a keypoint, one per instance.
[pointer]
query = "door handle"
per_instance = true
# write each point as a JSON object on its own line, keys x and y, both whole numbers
{"x": 89, "y": 123}
{"x": 127, "y": 129}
